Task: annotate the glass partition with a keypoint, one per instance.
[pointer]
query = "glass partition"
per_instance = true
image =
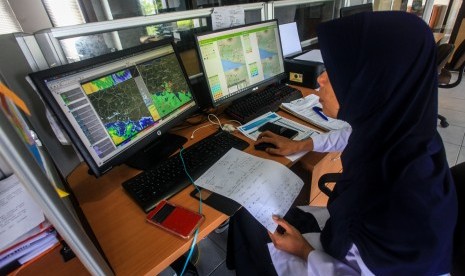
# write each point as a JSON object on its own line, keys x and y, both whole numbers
{"x": 74, "y": 43}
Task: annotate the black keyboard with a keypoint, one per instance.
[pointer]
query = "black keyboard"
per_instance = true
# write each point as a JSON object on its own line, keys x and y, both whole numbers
{"x": 169, "y": 177}
{"x": 256, "y": 104}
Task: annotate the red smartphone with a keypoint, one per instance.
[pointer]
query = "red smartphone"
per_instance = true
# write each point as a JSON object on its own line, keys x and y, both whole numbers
{"x": 175, "y": 219}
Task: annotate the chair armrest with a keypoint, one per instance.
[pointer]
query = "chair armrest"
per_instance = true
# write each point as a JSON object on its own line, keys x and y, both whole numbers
{"x": 327, "y": 178}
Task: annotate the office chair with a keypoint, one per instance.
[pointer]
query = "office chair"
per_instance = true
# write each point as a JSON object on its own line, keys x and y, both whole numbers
{"x": 457, "y": 63}
{"x": 458, "y": 174}
{"x": 444, "y": 51}
{"x": 327, "y": 178}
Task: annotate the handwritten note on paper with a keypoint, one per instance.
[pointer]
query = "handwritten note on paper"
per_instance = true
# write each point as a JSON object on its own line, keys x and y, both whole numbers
{"x": 262, "y": 186}
{"x": 227, "y": 17}
{"x": 18, "y": 211}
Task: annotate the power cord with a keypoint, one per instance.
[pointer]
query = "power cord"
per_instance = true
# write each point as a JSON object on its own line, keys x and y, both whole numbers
{"x": 194, "y": 241}
{"x": 225, "y": 127}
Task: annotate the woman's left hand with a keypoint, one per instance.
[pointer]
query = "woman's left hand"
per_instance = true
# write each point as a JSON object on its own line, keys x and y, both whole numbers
{"x": 291, "y": 241}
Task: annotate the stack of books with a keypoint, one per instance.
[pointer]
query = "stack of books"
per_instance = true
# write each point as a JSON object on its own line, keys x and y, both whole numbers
{"x": 25, "y": 234}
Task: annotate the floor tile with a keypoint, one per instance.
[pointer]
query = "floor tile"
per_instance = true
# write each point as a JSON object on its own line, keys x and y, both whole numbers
{"x": 452, "y": 103}
{"x": 222, "y": 270}
{"x": 168, "y": 272}
{"x": 457, "y": 92}
{"x": 454, "y": 117}
{"x": 451, "y": 93}
{"x": 461, "y": 155}
{"x": 211, "y": 256}
{"x": 220, "y": 239}
{"x": 452, "y": 153}
{"x": 452, "y": 134}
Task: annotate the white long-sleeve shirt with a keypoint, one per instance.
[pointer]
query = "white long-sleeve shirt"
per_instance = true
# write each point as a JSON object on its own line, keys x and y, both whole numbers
{"x": 318, "y": 262}
{"x": 335, "y": 140}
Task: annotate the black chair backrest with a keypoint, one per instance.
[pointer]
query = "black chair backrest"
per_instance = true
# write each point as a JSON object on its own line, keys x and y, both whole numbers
{"x": 444, "y": 51}
{"x": 458, "y": 59}
{"x": 346, "y": 11}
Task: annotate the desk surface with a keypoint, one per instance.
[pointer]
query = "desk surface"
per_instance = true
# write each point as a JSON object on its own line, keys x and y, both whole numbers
{"x": 132, "y": 246}
{"x": 438, "y": 36}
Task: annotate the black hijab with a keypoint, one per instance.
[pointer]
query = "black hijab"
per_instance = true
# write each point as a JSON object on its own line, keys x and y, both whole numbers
{"x": 396, "y": 200}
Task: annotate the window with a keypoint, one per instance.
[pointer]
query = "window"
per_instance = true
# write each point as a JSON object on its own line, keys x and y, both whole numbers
{"x": 64, "y": 12}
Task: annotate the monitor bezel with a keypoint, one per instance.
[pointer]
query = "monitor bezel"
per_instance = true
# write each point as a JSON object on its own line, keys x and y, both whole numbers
{"x": 39, "y": 78}
{"x": 351, "y": 10}
{"x": 253, "y": 88}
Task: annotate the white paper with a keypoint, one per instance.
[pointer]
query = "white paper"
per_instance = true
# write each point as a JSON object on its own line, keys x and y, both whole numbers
{"x": 227, "y": 17}
{"x": 303, "y": 107}
{"x": 18, "y": 211}
{"x": 45, "y": 245}
{"x": 251, "y": 130}
{"x": 313, "y": 55}
{"x": 262, "y": 186}
{"x": 39, "y": 245}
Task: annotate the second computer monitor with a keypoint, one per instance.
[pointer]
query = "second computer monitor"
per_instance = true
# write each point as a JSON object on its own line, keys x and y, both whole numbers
{"x": 346, "y": 11}
{"x": 241, "y": 60}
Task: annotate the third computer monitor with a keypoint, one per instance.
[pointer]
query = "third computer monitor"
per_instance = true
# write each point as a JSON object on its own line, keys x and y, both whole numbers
{"x": 241, "y": 60}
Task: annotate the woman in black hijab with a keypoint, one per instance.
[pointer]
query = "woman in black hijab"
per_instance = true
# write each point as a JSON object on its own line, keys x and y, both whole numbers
{"x": 395, "y": 204}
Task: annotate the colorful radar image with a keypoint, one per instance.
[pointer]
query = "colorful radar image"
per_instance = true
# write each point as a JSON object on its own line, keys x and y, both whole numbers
{"x": 133, "y": 99}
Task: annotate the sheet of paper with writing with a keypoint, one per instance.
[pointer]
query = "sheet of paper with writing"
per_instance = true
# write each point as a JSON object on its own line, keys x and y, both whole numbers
{"x": 262, "y": 186}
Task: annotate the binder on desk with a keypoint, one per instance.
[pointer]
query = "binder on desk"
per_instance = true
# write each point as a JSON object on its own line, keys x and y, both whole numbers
{"x": 303, "y": 109}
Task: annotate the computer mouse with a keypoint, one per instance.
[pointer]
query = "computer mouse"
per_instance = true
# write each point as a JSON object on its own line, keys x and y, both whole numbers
{"x": 264, "y": 146}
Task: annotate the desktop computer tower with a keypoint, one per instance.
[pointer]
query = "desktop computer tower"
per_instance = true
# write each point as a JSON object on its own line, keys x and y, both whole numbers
{"x": 303, "y": 72}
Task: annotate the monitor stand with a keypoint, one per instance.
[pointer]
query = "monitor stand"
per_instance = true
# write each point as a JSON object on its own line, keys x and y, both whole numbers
{"x": 156, "y": 152}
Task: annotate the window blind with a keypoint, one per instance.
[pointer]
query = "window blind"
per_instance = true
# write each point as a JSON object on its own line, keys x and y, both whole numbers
{"x": 64, "y": 12}
{"x": 8, "y": 21}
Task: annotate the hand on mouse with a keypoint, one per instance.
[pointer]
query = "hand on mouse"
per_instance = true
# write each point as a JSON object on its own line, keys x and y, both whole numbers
{"x": 283, "y": 145}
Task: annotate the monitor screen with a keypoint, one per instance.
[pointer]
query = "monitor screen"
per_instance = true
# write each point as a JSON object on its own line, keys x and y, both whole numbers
{"x": 346, "y": 11}
{"x": 240, "y": 60}
{"x": 115, "y": 105}
{"x": 290, "y": 39}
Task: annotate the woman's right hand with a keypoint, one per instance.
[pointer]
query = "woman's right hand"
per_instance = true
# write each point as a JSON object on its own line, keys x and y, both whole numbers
{"x": 291, "y": 241}
{"x": 284, "y": 146}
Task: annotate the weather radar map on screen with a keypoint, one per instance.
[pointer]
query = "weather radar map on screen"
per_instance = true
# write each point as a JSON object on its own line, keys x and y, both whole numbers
{"x": 137, "y": 111}
{"x": 113, "y": 105}
{"x": 235, "y": 60}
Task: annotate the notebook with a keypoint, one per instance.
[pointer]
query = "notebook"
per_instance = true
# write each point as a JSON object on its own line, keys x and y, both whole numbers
{"x": 302, "y": 108}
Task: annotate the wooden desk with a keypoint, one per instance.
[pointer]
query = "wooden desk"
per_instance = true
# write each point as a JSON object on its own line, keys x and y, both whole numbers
{"x": 438, "y": 37}
{"x": 132, "y": 246}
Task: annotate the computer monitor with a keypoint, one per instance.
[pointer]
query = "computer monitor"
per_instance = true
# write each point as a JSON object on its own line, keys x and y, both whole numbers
{"x": 118, "y": 107}
{"x": 346, "y": 11}
{"x": 241, "y": 60}
{"x": 290, "y": 40}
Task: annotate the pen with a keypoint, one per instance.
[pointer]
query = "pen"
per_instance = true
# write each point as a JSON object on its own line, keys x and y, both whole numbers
{"x": 318, "y": 111}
